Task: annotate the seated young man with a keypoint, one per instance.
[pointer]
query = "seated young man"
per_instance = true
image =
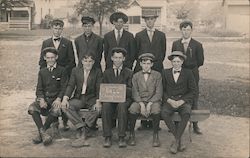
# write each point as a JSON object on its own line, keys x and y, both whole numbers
{"x": 147, "y": 95}
{"x": 85, "y": 80}
{"x": 179, "y": 89}
{"x": 52, "y": 81}
{"x": 119, "y": 74}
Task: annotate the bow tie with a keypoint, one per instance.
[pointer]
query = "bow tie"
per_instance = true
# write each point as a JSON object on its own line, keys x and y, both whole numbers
{"x": 146, "y": 72}
{"x": 57, "y": 39}
{"x": 176, "y": 71}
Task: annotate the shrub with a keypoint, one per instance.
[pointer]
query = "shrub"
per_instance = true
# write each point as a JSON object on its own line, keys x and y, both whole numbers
{"x": 222, "y": 32}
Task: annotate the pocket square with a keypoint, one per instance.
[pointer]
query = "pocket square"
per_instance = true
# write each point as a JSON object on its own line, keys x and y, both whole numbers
{"x": 63, "y": 45}
{"x": 58, "y": 79}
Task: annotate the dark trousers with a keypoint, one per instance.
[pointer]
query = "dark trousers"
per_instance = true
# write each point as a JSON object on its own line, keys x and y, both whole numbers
{"x": 155, "y": 121}
{"x": 108, "y": 111}
{"x": 168, "y": 111}
{"x": 73, "y": 113}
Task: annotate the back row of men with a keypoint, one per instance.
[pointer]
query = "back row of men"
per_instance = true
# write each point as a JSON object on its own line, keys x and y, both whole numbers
{"x": 120, "y": 49}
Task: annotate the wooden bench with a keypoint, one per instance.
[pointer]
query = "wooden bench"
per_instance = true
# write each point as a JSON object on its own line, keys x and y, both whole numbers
{"x": 196, "y": 116}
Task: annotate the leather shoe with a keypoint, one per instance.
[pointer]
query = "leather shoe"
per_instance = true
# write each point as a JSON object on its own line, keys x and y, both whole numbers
{"x": 80, "y": 142}
{"x": 131, "y": 140}
{"x": 156, "y": 141}
{"x": 174, "y": 147}
{"x": 181, "y": 146}
{"x": 47, "y": 139}
{"x": 37, "y": 139}
{"x": 122, "y": 143}
{"x": 107, "y": 142}
{"x": 197, "y": 130}
{"x": 65, "y": 127}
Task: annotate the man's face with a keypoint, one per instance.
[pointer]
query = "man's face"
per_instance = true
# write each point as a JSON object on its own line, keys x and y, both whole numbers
{"x": 146, "y": 65}
{"x": 50, "y": 58}
{"x": 186, "y": 32}
{"x": 87, "y": 28}
{"x": 150, "y": 22}
{"x": 88, "y": 63}
{"x": 119, "y": 24}
{"x": 117, "y": 59}
{"x": 177, "y": 63}
{"x": 57, "y": 30}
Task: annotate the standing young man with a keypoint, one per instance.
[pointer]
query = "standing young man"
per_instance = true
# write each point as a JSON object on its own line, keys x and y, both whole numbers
{"x": 119, "y": 38}
{"x": 85, "y": 82}
{"x": 89, "y": 42}
{"x": 147, "y": 95}
{"x": 66, "y": 56}
{"x": 52, "y": 81}
{"x": 154, "y": 41}
{"x": 195, "y": 58}
{"x": 179, "y": 90}
{"x": 119, "y": 74}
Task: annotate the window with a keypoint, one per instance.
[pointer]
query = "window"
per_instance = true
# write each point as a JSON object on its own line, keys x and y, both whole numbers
{"x": 152, "y": 10}
{"x": 134, "y": 19}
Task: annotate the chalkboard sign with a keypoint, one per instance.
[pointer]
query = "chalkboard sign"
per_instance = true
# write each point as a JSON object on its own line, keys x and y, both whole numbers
{"x": 113, "y": 93}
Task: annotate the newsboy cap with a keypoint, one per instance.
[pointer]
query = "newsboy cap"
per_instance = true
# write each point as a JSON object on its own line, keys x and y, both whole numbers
{"x": 177, "y": 53}
{"x": 146, "y": 15}
{"x": 57, "y": 22}
{"x": 118, "y": 15}
{"x": 87, "y": 19}
{"x": 49, "y": 49}
{"x": 119, "y": 50}
{"x": 146, "y": 56}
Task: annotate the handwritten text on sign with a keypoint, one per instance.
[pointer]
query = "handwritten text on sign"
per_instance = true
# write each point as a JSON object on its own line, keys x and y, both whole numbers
{"x": 113, "y": 93}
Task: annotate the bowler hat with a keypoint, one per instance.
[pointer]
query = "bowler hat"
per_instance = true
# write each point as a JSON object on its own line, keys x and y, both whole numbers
{"x": 146, "y": 56}
{"x": 177, "y": 53}
{"x": 57, "y": 22}
{"x": 50, "y": 49}
{"x": 119, "y": 50}
{"x": 87, "y": 19}
{"x": 118, "y": 15}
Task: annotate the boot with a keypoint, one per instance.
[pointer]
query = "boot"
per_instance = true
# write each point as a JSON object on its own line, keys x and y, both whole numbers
{"x": 47, "y": 139}
{"x": 174, "y": 147}
{"x": 107, "y": 142}
{"x": 131, "y": 140}
{"x": 37, "y": 139}
{"x": 82, "y": 141}
{"x": 196, "y": 128}
{"x": 156, "y": 141}
{"x": 122, "y": 143}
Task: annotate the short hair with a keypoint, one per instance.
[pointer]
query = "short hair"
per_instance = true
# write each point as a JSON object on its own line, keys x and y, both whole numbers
{"x": 186, "y": 23}
{"x": 49, "y": 50}
{"x": 118, "y": 50}
{"x": 89, "y": 55}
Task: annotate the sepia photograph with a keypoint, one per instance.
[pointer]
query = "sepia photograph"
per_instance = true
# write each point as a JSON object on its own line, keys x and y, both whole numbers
{"x": 125, "y": 78}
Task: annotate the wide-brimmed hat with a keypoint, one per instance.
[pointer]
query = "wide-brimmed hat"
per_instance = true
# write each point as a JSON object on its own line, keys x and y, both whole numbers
{"x": 146, "y": 56}
{"x": 87, "y": 19}
{"x": 57, "y": 22}
{"x": 149, "y": 15}
{"x": 177, "y": 53}
{"x": 118, "y": 15}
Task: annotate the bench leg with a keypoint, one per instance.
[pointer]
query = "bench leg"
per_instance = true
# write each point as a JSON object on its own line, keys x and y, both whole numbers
{"x": 190, "y": 131}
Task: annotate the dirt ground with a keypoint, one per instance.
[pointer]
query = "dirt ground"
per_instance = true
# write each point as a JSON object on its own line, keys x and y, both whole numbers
{"x": 224, "y": 89}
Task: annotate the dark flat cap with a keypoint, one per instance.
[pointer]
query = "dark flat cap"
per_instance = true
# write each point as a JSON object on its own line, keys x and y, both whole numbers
{"x": 147, "y": 56}
{"x": 149, "y": 15}
{"x": 50, "y": 49}
{"x": 87, "y": 19}
{"x": 57, "y": 22}
{"x": 118, "y": 15}
{"x": 119, "y": 50}
{"x": 185, "y": 23}
{"x": 177, "y": 53}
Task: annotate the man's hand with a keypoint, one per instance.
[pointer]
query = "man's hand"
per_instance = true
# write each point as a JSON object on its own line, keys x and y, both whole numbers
{"x": 43, "y": 103}
{"x": 180, "y": 103}
{"x": 65, "y": 102}
{"x": 148, "y": 108}
{"x": 98, "y": 106}
{"x": 172, "y": 103}
{"x": 57, "y": 103}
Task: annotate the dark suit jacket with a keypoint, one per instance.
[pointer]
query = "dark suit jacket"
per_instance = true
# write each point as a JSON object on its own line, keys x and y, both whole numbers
{"x": 76, "y": 83}
{"x": 184, "y": 89}
{"x": 125, "y": 77}
{"x": 127, "y": 42}
{"x": 156, "y": 47}
{"x": 94, "y": 45}
{"x": 51, "y": 84}
{"x": 66, "y": 56}
{"x": 195, "y": 55}
{"x": 148, "y": 91}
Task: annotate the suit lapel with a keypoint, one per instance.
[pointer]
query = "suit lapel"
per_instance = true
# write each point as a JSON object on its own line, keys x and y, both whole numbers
{"x": 90, "y": 78}
{"x": 143, "y": 82}
{"x": 51, "y": 43}
{"x": 61, "y": 44}
{"x": 180, "y": 78}
{"x": 113, "y": 37}
{"x": 172, "y": 76}
{"x": 81, "y": 76}
{"x": 146, "y": 35}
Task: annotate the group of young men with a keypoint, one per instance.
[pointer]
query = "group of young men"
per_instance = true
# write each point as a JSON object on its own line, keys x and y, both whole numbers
{"x": 151, "y": 90}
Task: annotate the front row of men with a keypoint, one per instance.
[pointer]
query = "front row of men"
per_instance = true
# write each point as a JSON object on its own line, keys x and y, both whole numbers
{"x": 148, "y": 93}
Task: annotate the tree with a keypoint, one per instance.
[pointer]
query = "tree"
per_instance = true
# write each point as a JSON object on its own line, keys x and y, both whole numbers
{"x": 73, "y": 20}
{"x": 186, "y": 10}
{"x": 99, "y": 8}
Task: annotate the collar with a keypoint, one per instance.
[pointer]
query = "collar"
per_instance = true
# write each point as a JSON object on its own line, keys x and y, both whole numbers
{"x": 53, "y": 37}
{"x": 176, "y": 70}
{"x": 119, "y": 68}
{"x": 88, "y": 35}
{"x": 121, "y": 31}
{"x": 185, "y": 40}
{"x": 153, "y": 29}
{"x": 54, "y": 66}
{"x": 146, "y": 72}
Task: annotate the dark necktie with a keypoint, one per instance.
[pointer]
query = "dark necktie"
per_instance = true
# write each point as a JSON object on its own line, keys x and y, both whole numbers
{"x": 118, "y": 36}
{"x": 57, "y": 39}
{"x": 146, "y": 72}
{"x": 176, "y": 72}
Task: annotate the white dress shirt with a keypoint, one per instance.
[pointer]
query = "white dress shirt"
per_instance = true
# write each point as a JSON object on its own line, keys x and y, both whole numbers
{"x": 176, "y": 75}
{"x": 56, "y": 42}
{"x": 51, "y": 68}
{"x": 85, "y": 79}
{"x": 116, "y": 33}
{"x": 117, "y": 70}
{"x": 150, "y": 33}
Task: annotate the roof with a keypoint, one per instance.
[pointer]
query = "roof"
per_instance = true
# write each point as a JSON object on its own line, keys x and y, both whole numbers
{"x": 21, "y": 3}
